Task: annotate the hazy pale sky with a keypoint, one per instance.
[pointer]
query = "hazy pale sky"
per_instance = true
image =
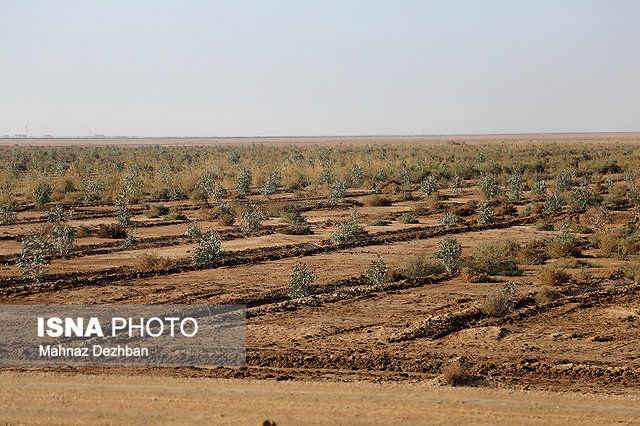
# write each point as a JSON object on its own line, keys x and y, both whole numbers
{"x": 213, "y": 68}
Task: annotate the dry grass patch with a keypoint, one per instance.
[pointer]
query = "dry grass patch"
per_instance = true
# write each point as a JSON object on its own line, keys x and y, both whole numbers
{"x": 553, "y": 276}
{"x": 149, "y": 261}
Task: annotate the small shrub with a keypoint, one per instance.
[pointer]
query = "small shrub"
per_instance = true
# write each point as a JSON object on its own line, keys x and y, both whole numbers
{"x": 620, "y": 242}
{"x": 300, "y": 281}
{"x": 554, "y": 203}
{"x": 419, "y": 266}
{"x": 193, "y": 231}
{"x": 271, "y": 185}
{"x": 347, "y": 232}
{"x": 156, "y": 210}
{"x": 448, "y": 220}
{"x": 429, "y": 185}
{"x": 533, "y": 253}
{"x": 450, "y": 251}
{"x": 470, "y": 275}
{"x": 407, "y": 218}
{"x": 466, "y": 209}
{"x": 379, "y": 222}
{"x": 545, "y": 226}
{"x": 251, "y": 220}
{"x": 208, "y": 249}
{"x": 111, "y": 230}
{"x": 506, "y": 209}
{"x": 564, "y": 244}
{"x": 453, "y": 374}
{"x": 489, "y": 187}
{"x": 36, "y": 249}
{"x": 243, "y": 182}
{"x": 485, "y": 215}
{"x": 497, "y": 301}
{"x": 176, "y": 216}
{"x": 377, "y": 271}
{"x": 148, "y": 262}
{"x": 496, "y": 258}
{"x": 337, "y": 192}
{"x": 553, "y": 276}
{"x": 7, "y": 214}
{"x": 546, "y": 295}
{"x": 376, "y": 200}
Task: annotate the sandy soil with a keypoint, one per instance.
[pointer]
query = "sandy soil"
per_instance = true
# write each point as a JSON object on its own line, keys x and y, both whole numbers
{"x": 37, "y": 397}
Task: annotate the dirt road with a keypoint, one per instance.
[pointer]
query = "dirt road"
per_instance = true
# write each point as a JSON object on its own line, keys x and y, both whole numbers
{"x": 45, "y": 397}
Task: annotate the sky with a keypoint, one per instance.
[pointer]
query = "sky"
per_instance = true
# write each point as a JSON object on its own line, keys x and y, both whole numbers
{"x": 347, "y": 67}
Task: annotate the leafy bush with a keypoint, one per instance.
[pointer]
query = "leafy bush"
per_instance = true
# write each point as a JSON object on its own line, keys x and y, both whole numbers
{"x": 208, "y": 249}
{"x": 579, "y": 198}
{"x": 243, "y": 182}
{"x": 407, "y": 218}
{"x": 539, "y": 188}
{"x": 337, "y": 192}
{"x": 36, "y": 249}
{"x": 7, "y": 214}
{"x": 300, "y": 281}
{"x": 554, "y": 203}
{"x": 448, "y": 220}
{"x": 271, "y": 185}
{"x": 193, "y": 231}
{"x": 515, "y": 185}
{"x": 429, "y": 185}
{"x": 123, "y": 214}
{"x": 92, "y": 191}
{"x": 456, "y": 185}
{"x": 58, "y": 215}
{"x": 489, "y": 187}
{"x": 485, "y": 215}
{"x": 347, "y": 232}
{"x": 42, "y": 194}
{"x": 62, "y": 238}
{"x": 130, "y": 238}
{"x": 355, "y": 175}
{"x": 251, "y": 220}
{"x": 377, "y": 271}
{"x": 156, "y": 210}
{"x": 450, "y": 251}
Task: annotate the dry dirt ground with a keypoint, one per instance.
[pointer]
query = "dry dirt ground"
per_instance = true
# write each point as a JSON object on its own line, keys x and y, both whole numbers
{"x": 36, "y": 397}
